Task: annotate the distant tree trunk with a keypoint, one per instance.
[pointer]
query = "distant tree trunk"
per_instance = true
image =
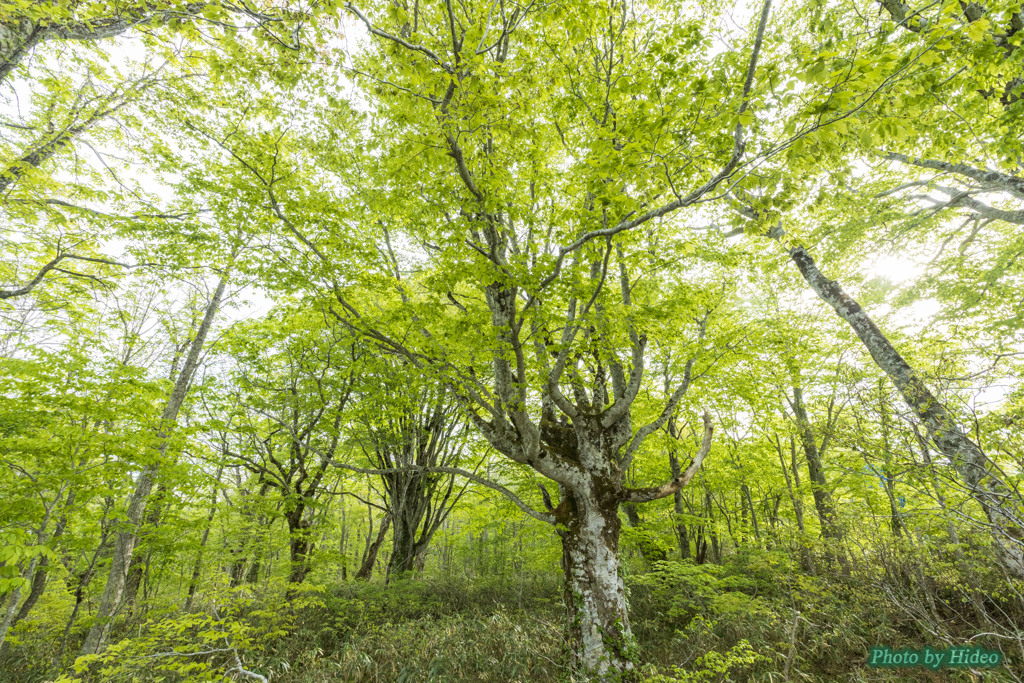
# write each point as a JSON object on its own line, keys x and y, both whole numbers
{"x": 124, "y": 544}
{"x": 830, "y": 529}
{"x": 427, "y": 434}
{"x": 247, "y": 547}
{"x": 794, "y": 498}
{"x": 895, "y": 518}
{"x": 682, "y": 531}
{"x": 343, "y": 545}
{"x": 815, "y": 469}
{"x": 366, "y": 570}
{"x": 745, "y": 490}
{"x": 649, "y": 550}
{"x": 999, "y": 503}
{"x": 197, "y": 568}
{"x": 300, "y": 545}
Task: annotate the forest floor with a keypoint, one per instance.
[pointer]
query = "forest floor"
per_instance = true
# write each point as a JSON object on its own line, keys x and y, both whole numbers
{"x": 710, "y": 622}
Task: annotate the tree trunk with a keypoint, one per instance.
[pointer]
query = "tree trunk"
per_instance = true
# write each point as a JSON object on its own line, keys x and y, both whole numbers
{"x": 996, "y": 500}
{"x": 682, "y": 533}
{"x": 124, "y": 544}
{"x": 371, "y": 553}
{"x": 745, "y": 490}
{"x": 139, "y": 566}
{"x": 595, "y": 596}
{"x": 403, "y": 536}
{"x": 794, "y": 498}
{"x": 197, "y": 568}
{"x": 15, "y": 599}
{"x": 896, "y": 519}
{"x": 17, "y": 38}
{"x": 815, "y": 470}
{"x": 300, "y": 546}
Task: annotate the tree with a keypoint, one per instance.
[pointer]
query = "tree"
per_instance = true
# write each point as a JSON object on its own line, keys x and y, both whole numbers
{"x": 124, "y": 545}
{"x": 293, "y": 413}
{"x": 465, "y": 102}
{"x": 421, "y": 431}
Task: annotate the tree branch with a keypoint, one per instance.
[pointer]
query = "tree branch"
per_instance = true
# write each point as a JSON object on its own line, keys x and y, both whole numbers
{"x": 453, "y": 470}
{"x": 645, "y": 495}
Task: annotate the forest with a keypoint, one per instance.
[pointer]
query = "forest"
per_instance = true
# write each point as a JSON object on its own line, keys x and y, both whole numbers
{"x": 511, "y": 340}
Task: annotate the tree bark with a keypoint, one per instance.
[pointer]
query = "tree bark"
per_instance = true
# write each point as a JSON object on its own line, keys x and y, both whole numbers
{"x": 17, "y": 38}
{"x": 300, "y": 545}
{"x": 15, "y": 598}
{"x": 366, "y": 570}
{"x": 682, "y": 531}
{"x": 798, "y": 508}
{"x": 595, "y": 595}
{"x": 815, "y": 470}
{"x": 40, "y": 575}
{"x": 124, "y": 544}
{"x": 997, "y": 501}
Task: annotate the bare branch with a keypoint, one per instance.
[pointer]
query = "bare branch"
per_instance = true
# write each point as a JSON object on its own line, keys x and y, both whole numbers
{"x": 645, "y": 495}
{"x": 430, "y": 54}
{"x": 992, "y": 179}
{"x": 453, "y": 470}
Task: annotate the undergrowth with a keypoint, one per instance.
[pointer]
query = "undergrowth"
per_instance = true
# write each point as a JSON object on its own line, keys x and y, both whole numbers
{"x": 731, "y": 622}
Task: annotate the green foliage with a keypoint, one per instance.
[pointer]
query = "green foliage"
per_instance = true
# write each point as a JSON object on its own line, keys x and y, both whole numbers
{"x": 201, "y": 647}
{"x": 713, "y": 666}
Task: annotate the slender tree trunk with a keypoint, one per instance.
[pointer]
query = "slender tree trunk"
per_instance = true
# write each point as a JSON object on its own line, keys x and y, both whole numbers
{"x": 139, "y": 565}
{"x": 366, "y": 570}
{"x": 197, "y": 568}
{"x": 40, "y": 575}
{"x": 815, "y": 470}
{"x": 682, "y": 532}
{"x": 343, "y": 545}
{"x": 745, "y": 490}
{"x": 997, "y": 501}
{"x": 15, "y": 599}
{"x": 124, "y": 544}
{"x": 798, "y": 508}
{"x": 29, "y": 575}
{"x": 823, "y": 504}
{"x": 896, "y": 519}
{"x": 81, "y": 579}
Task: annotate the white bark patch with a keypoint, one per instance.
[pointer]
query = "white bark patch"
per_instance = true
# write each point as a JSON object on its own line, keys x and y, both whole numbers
{"x": 598, "y": 592}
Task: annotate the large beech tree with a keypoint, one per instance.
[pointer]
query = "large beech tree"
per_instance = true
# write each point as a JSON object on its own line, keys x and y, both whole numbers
{"x": 550, "y": 135}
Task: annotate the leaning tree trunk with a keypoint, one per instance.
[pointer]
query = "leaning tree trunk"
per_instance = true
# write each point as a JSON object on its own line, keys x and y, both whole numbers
{"x": 17, "y": 38}
{"x": 366, "y": 570}
{"x": 997, "y": 502}
{"x": 124, "y": 544}
{"x": 595, "y": 595}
